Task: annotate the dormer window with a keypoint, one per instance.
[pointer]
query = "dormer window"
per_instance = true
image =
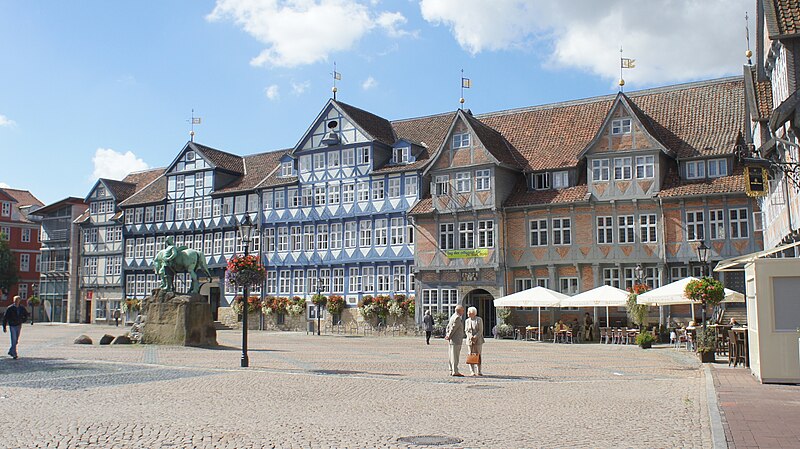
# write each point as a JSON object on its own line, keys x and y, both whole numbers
{"x": 540, "y": 181}
{"x": 460, "y": 140}
{"x": 695, "y": 169}
{"x": 401, "y": 155}
{"x": 622, "y": 126}
{"x": 560, "y": 179}
{"x": 189, "y": 156}
{"x": 717, "y": 168}
{"x": 286, "y": 168}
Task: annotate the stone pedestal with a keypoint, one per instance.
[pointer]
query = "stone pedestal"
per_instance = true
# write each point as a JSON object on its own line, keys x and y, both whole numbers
{"x": 178, "y": 320}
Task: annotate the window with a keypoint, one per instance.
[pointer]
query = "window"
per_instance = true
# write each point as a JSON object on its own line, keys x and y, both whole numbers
{"x": 333, "y": 194}
{"x": 401, "y": 155}
{"x": 377, "y": 190}
{"x": 647, "y": 228}
{"x": 384, "y": 276}
{"x": 677, "y": 273}
{"x": 129, "y": 216}
{"x": 651, "y": 277}
{"x": 294, "y": 198}
{"x": 130, "y": 247}
{"x": 24, "y": 262}
{"x": 394, "y": 187}
{"x": 625, "y": 230}
{"x": 430, "y": 301}
{"x": 149, "y": 250}
{"x": 442, "y": 184}
{"x": 252, "y": 203}
{"x": 460, "y": 140}
{"x": 159, "y": 213}
{"x": 562, "y": 231}
{"x": 611, "y": 277}
{"x": 7, "y": 208}
{"x": 23, "y": 291}
{"x": 366, "y": 234}
{"x": 320, "y": 195}
{"x": 363, "y": 192}
{"x": 139, "y": 215}
{"x": 540, "y": 181}
{"x": 208, "y": 243}
{"x": 368, "y": 279}
{"x": 695, "y": 226}
{"x": 569, "y": 286}
{"x": 26, "y": 236}
{"x": 740, "y": 228}
{"x": 322, "y": 237}
{"x": 324, "y": 280}
{"x": 716, "y": 224}
{"x": 319, "y": 161}
{"x": 198, "y": 209}
{"x": 446, "y": 236}
{"x": 305, "y": 163}
{"x": 622, "y": 126}
{"x": 399, "y": 278}
{"x": 308, "y": 237}
{"x": 5, "y": 233}
{"x": 350, "y": 234}
{"x": 398, "y": 231}
{"x": 286, "y": 169}
{"x": 600, "y": 170}
{"x": 522, "y": 284}
{"x": 227, "y": 206}
{"x": 336, "y": 236}
{"x": 466, "y": 235}
{"x": 139, "y": 248}
{"x": 307, "y": 196}
{"x": 230, "y": 238}
{"x": 298, "y": 282}
{"x": 449, "y": 301}
{"x": 695, "y": 169}
{"x": 216, "y": 209}
{"x": 272, "y": 281}
{"x": 284, "y": 282}
{"x": 717, "y": 168}
{"x": 411, "y": 185}
{"x": 337, "y": 280}
{"x": 149, "y": 213}
{"x": 539, "y": 232}
{"x": 645, "y": 167}
{"x": 486, "y": 234}
{"x": 179, "y": 185}
{"x": 463, "y": 182}
{"x": 355, "y": 281}
{"x": 482, "y": 179}
{"x": 217, "y": 244}
{"x": 560, "y": 179}
{"x": 198, "y": 180}
{"x": 283, "y": 238}
{"x": 348, "y": 157}
{"x": 333, "y": 159}
{"x": 348, "y": 194}
{"x": 605, "y": 230}
{"x": 363, "y": 156}
{"x": 622, "y": 168}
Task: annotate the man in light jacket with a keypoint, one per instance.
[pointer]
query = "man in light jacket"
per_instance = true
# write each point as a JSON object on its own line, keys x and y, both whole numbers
{"x": 455, "y": 335}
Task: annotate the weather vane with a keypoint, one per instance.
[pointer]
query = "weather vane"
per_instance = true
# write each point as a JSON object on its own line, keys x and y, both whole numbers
{"x": 336, "y": 77}
{"x": 624, "y": 63}
{"x": 194, "y": 121}
{"x": 466, "y": 83}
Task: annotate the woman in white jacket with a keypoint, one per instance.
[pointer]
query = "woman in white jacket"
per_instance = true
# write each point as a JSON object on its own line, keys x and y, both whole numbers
{"x": 473, "y": 327}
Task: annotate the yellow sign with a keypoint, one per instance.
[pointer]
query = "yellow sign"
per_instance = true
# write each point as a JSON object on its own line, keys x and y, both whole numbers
{"x": 466, "y": 253}
{"x": 755, "y": 181}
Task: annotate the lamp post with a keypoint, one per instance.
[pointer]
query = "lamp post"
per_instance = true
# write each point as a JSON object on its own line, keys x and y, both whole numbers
{"x": 319, "y": 303}
{"x": 246, "y": 227}
{"x": 702, "y": 256}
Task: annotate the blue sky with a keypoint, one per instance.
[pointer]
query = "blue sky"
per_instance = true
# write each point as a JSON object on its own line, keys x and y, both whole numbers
{"x": 96, "y": 88}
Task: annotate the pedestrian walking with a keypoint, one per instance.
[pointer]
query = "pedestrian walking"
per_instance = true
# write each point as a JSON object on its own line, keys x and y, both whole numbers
{"x": 116, "y": 317}
{"x": 455, "y": 335}
{"x": 473, "y": 327}
{"x": 427, "y": 320}
{"x": 14, "y": 317}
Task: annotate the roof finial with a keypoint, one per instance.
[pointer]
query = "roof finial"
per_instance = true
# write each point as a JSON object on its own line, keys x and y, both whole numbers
{"x": 466, "y": 83}
{"x": 748, "y": 53}
{"x": 624, "y": 63}
{"x": 194, "y": 121}
{"x": 336, "y": 76}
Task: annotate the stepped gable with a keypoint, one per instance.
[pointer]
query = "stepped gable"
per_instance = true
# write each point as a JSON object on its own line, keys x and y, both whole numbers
{"x": 428, "y": 132}
{"x": 226, "y": 161}
{"x": 782, "y": 17}
{"x": 257, "y": 169}
{"x": 377, "y": 127}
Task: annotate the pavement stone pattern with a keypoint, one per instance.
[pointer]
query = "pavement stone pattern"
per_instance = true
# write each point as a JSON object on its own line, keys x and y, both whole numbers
{"x": 756, "y": 415}
{"x": 305, "y": 391}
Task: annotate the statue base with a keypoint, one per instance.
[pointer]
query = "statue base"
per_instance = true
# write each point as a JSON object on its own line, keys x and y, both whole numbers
{"x": 178, "y": 320}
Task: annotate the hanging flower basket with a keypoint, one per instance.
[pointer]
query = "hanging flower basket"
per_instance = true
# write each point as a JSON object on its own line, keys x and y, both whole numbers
{"x": 319, "y": 300}
{"x": 335, "y": 304}
{"x": 295, "y": 306}
{"x": 244, "y": 271}
{"x": 706, "y": 291}
{"x": 253, "y": 304}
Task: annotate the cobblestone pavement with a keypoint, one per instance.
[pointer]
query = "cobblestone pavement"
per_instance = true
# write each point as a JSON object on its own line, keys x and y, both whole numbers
{"x": 757, "y": 415}
{"x": 304, "y": 391}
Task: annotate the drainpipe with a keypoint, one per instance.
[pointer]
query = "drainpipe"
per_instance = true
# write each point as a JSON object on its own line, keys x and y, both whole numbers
{"x": 663, "y": 245}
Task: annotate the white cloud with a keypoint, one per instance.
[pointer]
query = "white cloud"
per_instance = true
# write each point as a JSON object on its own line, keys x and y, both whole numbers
{"x": 5, "y": 121}
{"x": 369, "y": 83}
{"x": 115, "y": 165}
{"x": 301, "y": 87}
{"x": 272, "y": 92}
{"x": 4, "y": 185}
{"x": 670, "y": 40}
{"x": 299, "y": 32}
{"x": 391, "y": 22}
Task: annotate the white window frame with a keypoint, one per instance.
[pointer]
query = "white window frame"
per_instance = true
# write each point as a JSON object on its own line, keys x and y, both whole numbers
{"x": 394, "y": 187}
{"x": 695, "y": 169}
{"x": 562, "y": 231}
{"x": 560, "y": 179}
{"x": 461, "y": 140}
{"x": 623, "y": 169}
{"x": 442, "y": 184}
{"x": 464, "y": 182}
{"x": 695, "y": 226}
{"x": 538, "y": 232}
{"x": 717, "y": 168}
{"x": 611, "y": 277}
{"x": 716, "y": 224}
{"x": 648, "y": 228}
{"x": 447, "y": 236}
{"x": 482, "y": 180}
{"x": 645, "y": 167}
{"x": 739, "y": 223}
{"x": 605, "y": 230}
{"x": 621, "y": 126}
{"x": 378, "y": 192}
{"x": 485, "y": 233}
{"x": 626, "y": 229}
{"x": 601, "y": 169}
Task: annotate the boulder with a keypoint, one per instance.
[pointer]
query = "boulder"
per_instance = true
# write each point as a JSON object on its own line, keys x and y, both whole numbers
{"x": 83, "y": 340}
{"x": 106, "y": 339}
{"x": 122, "y": 340}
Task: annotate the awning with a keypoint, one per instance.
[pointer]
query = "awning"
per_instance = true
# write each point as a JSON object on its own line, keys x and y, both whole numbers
{"x": 737, "y": 263}
{"x": 532, "y": 297}
{"x": 673, "y": 294}
{"x": 602, "y": 296}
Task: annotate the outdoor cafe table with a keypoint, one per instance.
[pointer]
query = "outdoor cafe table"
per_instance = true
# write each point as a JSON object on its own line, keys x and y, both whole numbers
{"x": 741, "y": 332}
{"x": 532, "y": 332}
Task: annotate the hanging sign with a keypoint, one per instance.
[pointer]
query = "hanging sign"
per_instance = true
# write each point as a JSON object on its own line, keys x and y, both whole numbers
{"x": 755, "y": 181}
{"x": 466, "y": 253}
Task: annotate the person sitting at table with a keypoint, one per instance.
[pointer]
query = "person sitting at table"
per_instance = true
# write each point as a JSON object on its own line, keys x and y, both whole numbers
{"x": 692, "y": 325}
{"x": 588, "y": 327}
{"x": 734, "y": 323}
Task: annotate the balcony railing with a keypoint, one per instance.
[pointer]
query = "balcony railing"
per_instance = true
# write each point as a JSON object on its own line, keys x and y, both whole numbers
{"x": 55, "y": 235}
{"x": 58, "y": 265}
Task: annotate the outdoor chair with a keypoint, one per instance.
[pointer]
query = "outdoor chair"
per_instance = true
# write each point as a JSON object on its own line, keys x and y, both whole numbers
{"x": 731, "y": 348}
{"x": 603, "y": 335}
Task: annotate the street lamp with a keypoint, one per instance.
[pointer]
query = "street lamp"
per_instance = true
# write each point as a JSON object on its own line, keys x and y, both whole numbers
{"x": 318, "y": 301}
{"x": 246, "y": 228}
{"x": 702, "y": 256}
{"x": 639, "y": 273}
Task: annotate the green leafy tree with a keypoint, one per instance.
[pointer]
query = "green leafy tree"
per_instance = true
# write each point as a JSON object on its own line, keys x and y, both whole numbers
{"x": 8, "y": 267}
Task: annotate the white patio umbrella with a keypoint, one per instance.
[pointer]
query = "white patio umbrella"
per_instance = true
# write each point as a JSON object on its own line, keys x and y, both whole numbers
{"x": 533, "y": 297}
{"x": 673, "y": 294}
{"x": 605, "y": 295}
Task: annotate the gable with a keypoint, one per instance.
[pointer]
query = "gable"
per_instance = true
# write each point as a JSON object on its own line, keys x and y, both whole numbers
{"x": 345, "y": 128}
{"x": 189, "y": 159}
{"x": 624, "y": 129}
{"x": 484, "y": 145}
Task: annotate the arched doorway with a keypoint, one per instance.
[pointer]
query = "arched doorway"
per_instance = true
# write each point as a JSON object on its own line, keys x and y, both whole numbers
{"x": 484, "y": 302}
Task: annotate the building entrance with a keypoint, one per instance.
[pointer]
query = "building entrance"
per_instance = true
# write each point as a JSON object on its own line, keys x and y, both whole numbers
{"x": 484, "y": 302}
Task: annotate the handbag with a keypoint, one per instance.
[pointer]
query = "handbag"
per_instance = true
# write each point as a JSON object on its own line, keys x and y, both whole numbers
{"x": 473, "y": 359}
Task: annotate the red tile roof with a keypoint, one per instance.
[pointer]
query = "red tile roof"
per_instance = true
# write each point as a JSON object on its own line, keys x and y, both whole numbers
{"x": 674, "y": 186}
{"x": 524, "y": 197}
{"x": 22, "y": 197}
{"x": 257, "y": 168}
{"x": 221, "y": 159}
{"x": 782, "y": 17}
{"x": 377, "y": 127}
{"x": 154, "y": 192}
{"x": 423, "y": 206}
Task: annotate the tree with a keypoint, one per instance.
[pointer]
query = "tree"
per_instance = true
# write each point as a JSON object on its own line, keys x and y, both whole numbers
{"x": 8, "y": 267}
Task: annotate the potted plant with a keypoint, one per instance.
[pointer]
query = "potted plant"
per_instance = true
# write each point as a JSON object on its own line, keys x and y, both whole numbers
{"x": 706, "y": 291}
{"x": 645, "y": 340}
{"x": 706, "y": 344}
{"x": 639, "y": 314}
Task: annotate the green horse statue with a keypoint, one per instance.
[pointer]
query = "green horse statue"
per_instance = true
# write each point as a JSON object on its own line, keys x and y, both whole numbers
{"x": 179, "y": 259}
